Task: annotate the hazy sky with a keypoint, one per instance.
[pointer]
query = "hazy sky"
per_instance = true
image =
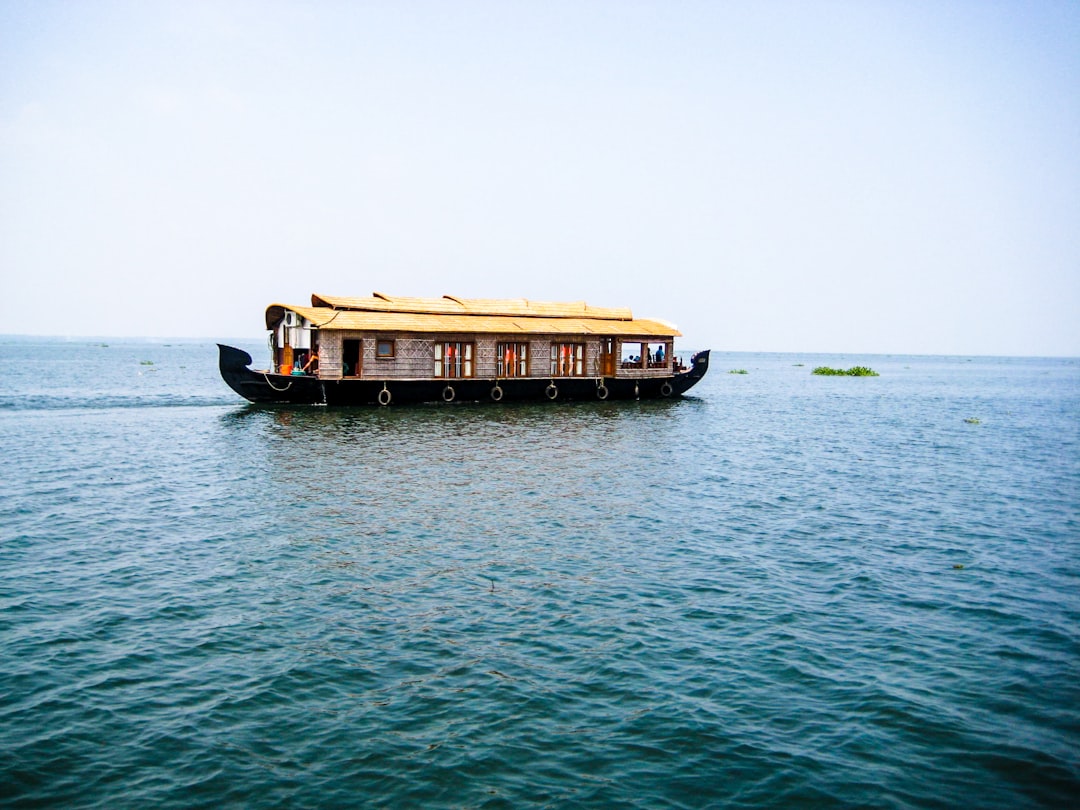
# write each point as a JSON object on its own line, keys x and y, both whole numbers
{"x": 775, "y": 176}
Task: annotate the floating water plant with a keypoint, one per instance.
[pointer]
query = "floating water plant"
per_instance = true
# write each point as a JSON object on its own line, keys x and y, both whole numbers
{"x": 738, "y": 371}
{"x": 854, "y": 371}
{"x": 146, "y": 362}
{"x": 973, "y": 420}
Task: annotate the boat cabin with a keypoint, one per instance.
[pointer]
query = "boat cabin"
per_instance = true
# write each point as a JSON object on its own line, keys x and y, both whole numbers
{"x": 394, "y": 338}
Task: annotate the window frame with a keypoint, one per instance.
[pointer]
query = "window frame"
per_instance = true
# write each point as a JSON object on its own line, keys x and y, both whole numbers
{"x": 463, "y": 368}
{"x": 379, "y": 343}
{"x": 514, "y": 363}
{"x": 577, "y": 355}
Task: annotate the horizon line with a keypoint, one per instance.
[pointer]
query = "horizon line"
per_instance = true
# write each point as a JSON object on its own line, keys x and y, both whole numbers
{"x": 846, "y": 352}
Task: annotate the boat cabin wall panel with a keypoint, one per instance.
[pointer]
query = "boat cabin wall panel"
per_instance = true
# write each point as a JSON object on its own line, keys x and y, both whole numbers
{"x": 642, "y": 373}
{"x": 539, "y": 357}
{"x": 330, "y": 355}
{"x": 414, "y": 356}
{"x": 592, "y": 358}
{"x": 486, "y": 362}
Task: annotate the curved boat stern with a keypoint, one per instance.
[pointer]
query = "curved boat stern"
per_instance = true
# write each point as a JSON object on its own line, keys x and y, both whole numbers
{"x": 259, "y": 387}
{"x": 232, "y": 359}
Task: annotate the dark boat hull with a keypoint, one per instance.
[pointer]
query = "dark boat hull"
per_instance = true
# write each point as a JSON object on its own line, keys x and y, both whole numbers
{"x": 265, "y": 388}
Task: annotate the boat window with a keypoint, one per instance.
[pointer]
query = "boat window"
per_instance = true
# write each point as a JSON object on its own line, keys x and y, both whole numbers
{"x": 384, "y": 349}
{"x": 513, "y": 359}
{"x": 567, "y": 359}
{"x": 454, "y": 359}
{"x": 656, "y": 354}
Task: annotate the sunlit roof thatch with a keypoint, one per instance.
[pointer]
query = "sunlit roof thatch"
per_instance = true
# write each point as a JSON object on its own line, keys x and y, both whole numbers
{"x": 450, "y": 315}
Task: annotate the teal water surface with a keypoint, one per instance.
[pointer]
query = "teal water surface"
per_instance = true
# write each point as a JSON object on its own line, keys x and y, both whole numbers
{"x": 784, "y": 591}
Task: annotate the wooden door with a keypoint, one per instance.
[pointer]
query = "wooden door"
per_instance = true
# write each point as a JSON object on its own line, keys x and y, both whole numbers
{"x": 608, "y": 347}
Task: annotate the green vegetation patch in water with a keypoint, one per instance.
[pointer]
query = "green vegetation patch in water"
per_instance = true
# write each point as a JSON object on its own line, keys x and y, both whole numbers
{"x": 854, "y": 371}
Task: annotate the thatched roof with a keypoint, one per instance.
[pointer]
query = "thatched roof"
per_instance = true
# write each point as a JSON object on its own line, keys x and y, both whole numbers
{"x": 450, "y": 315}
{"x": 452, "y": 305}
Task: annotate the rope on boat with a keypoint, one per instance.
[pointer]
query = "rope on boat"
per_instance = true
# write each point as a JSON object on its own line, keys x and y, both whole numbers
{"x": 279, "y": 390}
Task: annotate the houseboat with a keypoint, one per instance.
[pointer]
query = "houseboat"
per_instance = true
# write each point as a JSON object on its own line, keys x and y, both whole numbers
{"x": 389, "y": 350}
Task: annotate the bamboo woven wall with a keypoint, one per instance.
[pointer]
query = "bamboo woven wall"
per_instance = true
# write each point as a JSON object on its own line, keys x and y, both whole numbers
{"x": 330, "y": 355}
{"x": 414, "y": 355}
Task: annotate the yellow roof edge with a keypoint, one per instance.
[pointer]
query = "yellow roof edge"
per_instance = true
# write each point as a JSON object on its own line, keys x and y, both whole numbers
{"x": 381, "y": 302}
{"x": 458, "y": 323}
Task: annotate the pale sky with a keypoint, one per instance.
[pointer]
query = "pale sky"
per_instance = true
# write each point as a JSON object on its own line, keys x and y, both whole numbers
{"x": 877, "y": 177}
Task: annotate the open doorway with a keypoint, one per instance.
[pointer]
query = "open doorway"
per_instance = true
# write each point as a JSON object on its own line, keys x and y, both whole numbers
{"x": 350, "y": 358}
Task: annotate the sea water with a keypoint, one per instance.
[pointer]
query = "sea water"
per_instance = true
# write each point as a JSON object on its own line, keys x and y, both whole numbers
{"x": 783, "y": 590}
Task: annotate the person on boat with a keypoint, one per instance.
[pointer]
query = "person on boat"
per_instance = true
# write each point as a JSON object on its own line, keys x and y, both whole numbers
{"x": 312, "y": 364}
{"x": 660, "y": 355}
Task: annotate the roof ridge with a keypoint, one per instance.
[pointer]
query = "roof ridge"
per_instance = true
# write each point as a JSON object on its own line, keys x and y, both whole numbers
{"x": 452, "y": 304}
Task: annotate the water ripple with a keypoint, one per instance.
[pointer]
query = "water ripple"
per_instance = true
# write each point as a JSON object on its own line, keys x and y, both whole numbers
{"x": 787, "y": 592}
